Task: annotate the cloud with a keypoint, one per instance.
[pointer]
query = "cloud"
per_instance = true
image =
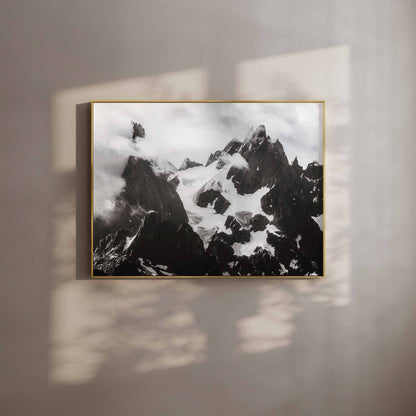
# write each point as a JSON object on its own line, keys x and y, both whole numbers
{"x": 178, "y": 130}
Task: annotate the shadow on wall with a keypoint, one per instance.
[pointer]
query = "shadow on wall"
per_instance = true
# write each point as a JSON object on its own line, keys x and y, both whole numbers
{"x": 107, "y": 330}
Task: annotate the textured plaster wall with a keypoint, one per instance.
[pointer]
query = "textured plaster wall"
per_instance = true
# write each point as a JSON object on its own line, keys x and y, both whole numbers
{"x": 72, "y": 346}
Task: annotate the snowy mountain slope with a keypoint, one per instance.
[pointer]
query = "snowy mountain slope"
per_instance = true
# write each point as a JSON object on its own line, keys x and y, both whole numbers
{"x": 205, "y": 220}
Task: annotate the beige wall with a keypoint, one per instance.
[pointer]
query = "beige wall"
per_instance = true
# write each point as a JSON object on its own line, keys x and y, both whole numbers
{"x": 341, "y": 346}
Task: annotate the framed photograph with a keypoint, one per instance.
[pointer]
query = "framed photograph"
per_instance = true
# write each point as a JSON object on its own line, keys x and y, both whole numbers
{"x": 207, "y": 189}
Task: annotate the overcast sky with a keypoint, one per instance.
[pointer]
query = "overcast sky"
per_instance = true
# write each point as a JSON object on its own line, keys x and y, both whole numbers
{"x": 178, "y": 130}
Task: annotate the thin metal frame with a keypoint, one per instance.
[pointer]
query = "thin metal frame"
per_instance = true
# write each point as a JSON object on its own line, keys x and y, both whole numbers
{"x": 204, "y": 277}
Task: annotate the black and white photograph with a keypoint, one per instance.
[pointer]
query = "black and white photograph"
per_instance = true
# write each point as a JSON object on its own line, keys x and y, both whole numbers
{"x": 220, "y": 189}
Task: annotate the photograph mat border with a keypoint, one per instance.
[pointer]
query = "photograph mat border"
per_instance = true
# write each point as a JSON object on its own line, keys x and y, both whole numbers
{"x": 205, "y": 277}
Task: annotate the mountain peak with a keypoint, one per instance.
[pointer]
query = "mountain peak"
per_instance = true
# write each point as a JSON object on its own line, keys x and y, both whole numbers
{"x": 151, "y": 191}
{"x": 296, "y": 166}
{"x": 213, "y": 157}
{"x": 260, "y": 133}
{"x": 188, "y": 163}
{"x": 138, "y": 131}
{"x": 233, "y": 146}
{"x": 314, "y": 170}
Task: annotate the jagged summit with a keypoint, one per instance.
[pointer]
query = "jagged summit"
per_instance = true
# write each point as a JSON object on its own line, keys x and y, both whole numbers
{"x": 233, "y": 146}
{"x": 314, "y": 170}
{"x": 145, "y": 188}
{"x": 259, "y": 135}
{"x": 137, "y": 131}
{"x": 213, "y": 157}
{"x": 296, "y": 166}
{"x": 260, "y": 131}
{"x": 188, "y": 163}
